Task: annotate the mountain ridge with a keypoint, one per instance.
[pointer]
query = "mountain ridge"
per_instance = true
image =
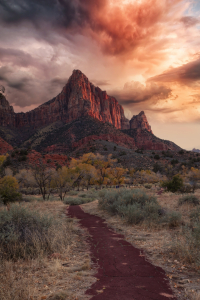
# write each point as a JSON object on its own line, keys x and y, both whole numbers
{"x": 57, "y": 122}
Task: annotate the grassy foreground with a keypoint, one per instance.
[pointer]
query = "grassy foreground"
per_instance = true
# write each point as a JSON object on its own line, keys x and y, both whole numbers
{"x": 40, "y": 253}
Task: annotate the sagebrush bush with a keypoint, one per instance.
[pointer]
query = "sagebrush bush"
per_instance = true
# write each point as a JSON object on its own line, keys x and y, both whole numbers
{"x": 135, "y": 206}
{"x": 72, "y": 193}
{"x": 25, "y": 234}
{"x": 173, "y": 219}
{"x": 189, "y": 199}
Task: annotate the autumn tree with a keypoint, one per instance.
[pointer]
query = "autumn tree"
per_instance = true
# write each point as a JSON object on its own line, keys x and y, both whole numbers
{"x": 9, "y": 190}
{"x": 103, "y": 165}
{"x": 118, "y": 175}
{"x": 132, "y": 175}
{"x": 63, "y": 180}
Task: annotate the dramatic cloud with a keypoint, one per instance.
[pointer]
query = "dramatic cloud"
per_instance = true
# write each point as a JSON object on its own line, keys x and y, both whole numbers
{"x": 135, "y": 92}
{"x": 189, "y": 21}
{"x": 187, "y": 74}
{"x": 144, "y": 52}
{"x": 119, "y": 27}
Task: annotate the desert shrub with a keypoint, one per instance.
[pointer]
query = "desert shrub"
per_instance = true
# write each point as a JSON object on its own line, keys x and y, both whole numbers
{"x": 25, "y": 234}
{"x": 173, "y": 219}
{"x": 83, "y": 195}
{"x": 186, "y": 246}
{"x": 181, "y": 152}
{"x": 135, "y": 206}
{"x": 173, "y": 185}
{"x": 148, "y": 186}
{"x": 78, "y": 200}
{"x": 122, "y": 153}
{"x": 157, "y": 168}
{"x": 22, "y": 158}
{"x": 23, "y": 152}
{"x": 72, "y": 193}
{"x": 157, "y": 157}
{"x": 195, "y": 216}
{"x": 174, "y": 161}
{"x": 189, "y": 199}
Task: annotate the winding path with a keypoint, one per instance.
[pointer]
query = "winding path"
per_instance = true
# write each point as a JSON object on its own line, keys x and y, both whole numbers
{"x": 123, "y": 273}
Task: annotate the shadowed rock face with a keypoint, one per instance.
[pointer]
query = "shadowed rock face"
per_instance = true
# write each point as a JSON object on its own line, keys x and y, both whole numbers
{"x": 78, "y": 98}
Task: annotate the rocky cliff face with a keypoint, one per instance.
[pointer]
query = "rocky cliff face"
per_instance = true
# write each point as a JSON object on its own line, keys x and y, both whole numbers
{"x": 7, "y": 114}
{"x": 78, "y": 98}
{"x": 92, "y": 110}
{"x": 140, "y": 121}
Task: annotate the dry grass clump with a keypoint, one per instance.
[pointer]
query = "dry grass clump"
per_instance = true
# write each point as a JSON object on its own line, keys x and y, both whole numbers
{"x": 189, "y": 199}
{"x": 27, "y": 240}
{"x": 29, "y": 234}
{"x": 186, "y": 245}
{"x": 12, "y": 287}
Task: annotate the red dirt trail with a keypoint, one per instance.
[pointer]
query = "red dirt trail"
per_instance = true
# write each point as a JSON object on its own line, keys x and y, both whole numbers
{"x": 123, "y": 271}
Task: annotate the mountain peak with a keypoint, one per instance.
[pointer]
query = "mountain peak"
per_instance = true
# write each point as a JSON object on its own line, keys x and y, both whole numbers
{"x": 140, "y": 121}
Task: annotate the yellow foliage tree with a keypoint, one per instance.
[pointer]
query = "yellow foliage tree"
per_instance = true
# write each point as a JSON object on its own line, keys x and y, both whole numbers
{"x": 118, "y": 175}
{"x": 9, "y": 189}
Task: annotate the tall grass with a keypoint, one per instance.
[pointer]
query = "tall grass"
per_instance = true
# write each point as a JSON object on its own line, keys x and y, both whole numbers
{"x": 28, "y": 234}
{"x": 186, "y": 246}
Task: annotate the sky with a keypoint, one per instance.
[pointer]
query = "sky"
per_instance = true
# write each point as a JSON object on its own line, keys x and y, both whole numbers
{"x": 143, "y": 52}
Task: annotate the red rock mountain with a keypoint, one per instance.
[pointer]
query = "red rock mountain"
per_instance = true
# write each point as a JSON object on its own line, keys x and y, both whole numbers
{"x": 79, "y": 97}
{"x": 53, "y": 124}
{"x": 140, "y": 121}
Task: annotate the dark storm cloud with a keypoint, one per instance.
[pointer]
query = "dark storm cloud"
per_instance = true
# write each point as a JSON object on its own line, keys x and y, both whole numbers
{"x": 16, "y": 57}
{"x": 19, "y": 84}
{"x": 118, "y": 29}
{"x": 188, "y": 74}
{"x": 60, "y": 12}
{"x": 189, "y": 21}
{"x": 135, "y": 92}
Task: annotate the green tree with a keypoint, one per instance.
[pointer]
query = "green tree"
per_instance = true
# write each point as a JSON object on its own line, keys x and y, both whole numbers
{"x": 173, "y": 185}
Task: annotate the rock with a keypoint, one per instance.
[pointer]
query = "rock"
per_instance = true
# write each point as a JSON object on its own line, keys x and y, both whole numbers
{"x": 140, "y": 121}
{"x": 78, "y": 98}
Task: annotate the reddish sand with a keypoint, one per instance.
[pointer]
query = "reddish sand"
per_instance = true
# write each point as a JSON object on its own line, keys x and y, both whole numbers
{"x": 123, "y": 271}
